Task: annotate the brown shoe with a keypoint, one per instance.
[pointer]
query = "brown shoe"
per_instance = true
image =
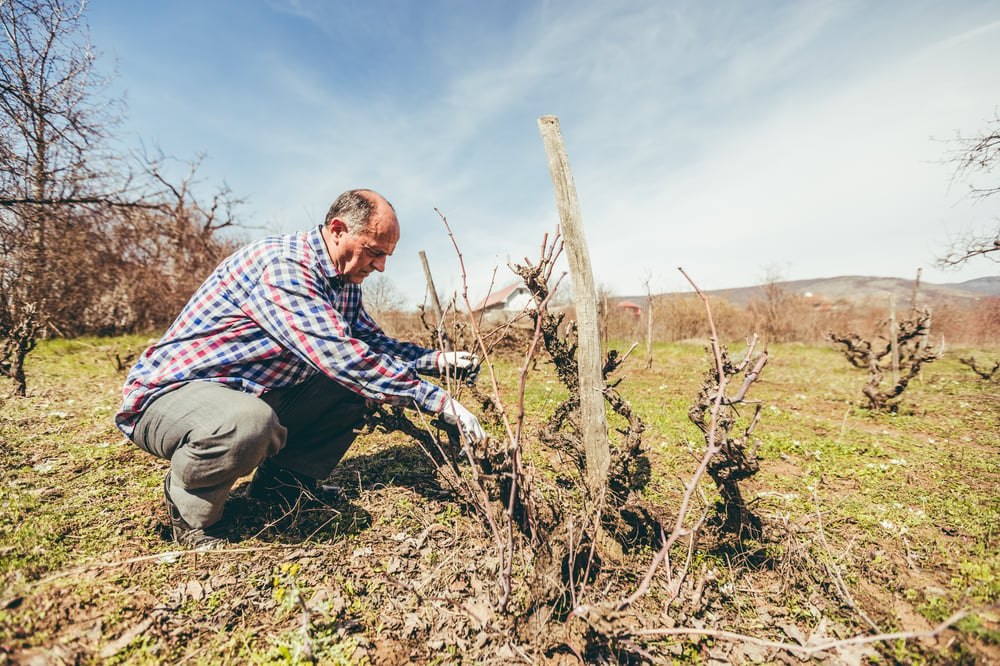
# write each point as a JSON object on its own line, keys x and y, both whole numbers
{"x": 200, "y": 538}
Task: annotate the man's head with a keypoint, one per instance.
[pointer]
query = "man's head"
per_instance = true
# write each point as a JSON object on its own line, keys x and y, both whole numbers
{"x": 361, "y": 231}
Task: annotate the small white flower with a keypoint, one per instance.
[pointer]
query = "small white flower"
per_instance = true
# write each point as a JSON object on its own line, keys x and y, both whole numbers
{"x": 888, "y": 525}
{"x": 898, "y": 461}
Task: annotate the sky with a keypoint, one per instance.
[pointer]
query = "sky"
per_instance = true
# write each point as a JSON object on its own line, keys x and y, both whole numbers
{"x": 740, "y": 141}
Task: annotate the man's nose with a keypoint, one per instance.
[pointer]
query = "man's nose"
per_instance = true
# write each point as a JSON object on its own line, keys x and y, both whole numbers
{"x": 379, "y": 264}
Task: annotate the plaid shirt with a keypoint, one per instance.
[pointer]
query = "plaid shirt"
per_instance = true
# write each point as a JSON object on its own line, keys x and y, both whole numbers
{"x": 272, "y": 315}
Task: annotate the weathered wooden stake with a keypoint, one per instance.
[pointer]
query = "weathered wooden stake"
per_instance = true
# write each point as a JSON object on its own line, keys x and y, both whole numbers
{"x": 593, "y": 418}
{"x": 438, "y": 312}
{"x": 916, "y": 286}
{"x": 922, "y": 342}
{"x": 894, "y": 339}
{"x": 649, "y": 331}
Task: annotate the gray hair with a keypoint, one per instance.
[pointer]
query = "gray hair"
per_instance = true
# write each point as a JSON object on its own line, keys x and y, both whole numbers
{"x": 355, "y": 208}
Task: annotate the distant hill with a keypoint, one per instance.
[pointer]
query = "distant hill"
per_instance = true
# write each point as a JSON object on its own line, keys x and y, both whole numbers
{"x": 989, "y": 286}
{"x": 859, "y": 288}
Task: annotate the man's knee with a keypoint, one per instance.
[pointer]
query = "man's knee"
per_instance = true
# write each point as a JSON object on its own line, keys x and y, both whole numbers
{"x": 252, "y": 430}
{"x": 229, "y": 445}
{"x": 241, "y": 438}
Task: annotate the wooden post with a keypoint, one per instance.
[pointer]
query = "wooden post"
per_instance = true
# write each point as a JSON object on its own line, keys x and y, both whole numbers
{"x": 649, "y": 332}
{"x": 435, "y": 304}
{"x": 647, "y": 283}
{"x": 925, "y": 338}
{"x": 894, "y": 339}
{"x": 593, "y": 418}
{"x": 922, "y": 342}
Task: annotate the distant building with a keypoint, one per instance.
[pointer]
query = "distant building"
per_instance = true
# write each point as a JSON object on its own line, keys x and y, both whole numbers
{"x": 507, "y": 302}
{"x": 632, "y": 308}
{"x": 818, "y": 302}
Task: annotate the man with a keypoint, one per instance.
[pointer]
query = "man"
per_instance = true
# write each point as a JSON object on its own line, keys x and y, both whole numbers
{"x": 269, "y": 365}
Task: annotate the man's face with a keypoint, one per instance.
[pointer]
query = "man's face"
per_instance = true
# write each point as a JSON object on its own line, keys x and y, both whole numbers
{"x": 357, "y": 257}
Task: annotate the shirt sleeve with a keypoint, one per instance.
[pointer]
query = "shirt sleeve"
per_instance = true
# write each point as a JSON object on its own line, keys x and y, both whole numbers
{"x": 289, "y": 302}
{"x": 422, "y": 359}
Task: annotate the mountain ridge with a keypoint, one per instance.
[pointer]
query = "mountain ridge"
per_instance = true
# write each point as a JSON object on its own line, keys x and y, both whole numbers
{"x": 857, "y": 288}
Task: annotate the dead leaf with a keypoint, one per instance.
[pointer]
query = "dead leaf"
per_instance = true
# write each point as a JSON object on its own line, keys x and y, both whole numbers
{"x": 194, "y": 590}
{"x": 123, "y": 641}
{"x": 793, "y": 632}
{"x": 480, "y": 612}
{"x": 413, "y": 623}
{"x": 223, "y": 581}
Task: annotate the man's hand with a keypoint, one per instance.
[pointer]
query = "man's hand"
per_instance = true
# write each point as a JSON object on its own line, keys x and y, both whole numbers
{"x": 457, "y": 415}
{"x": 456, "y": 362}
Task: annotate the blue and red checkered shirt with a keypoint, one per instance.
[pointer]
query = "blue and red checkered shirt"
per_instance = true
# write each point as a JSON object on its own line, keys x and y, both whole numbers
{"x": 272, "y": 315}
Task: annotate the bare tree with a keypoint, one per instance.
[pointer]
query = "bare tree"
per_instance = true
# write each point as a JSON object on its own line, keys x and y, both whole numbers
{"x": 78, "y": 230}
{"x": 382, "y": 296}
{"x": 771, "y": 311}
{"x": 158, "y": 254}
{"x": 977, "y": 156}
{"x": 52, "y": 159}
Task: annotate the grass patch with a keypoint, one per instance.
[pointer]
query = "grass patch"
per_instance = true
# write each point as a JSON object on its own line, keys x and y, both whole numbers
{"x": 909, "y": 503}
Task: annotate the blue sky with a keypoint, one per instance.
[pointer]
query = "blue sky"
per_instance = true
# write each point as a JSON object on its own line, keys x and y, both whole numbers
{"x": 734, "y": 139}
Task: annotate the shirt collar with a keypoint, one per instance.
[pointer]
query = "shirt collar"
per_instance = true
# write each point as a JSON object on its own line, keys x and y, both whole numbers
{"x": 315, "y": 239}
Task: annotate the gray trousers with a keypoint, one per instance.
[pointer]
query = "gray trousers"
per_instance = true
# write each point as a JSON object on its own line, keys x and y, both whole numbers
{"x": 212, "y": 435}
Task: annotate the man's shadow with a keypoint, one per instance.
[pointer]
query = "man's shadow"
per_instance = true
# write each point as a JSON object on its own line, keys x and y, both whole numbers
{"x": 335, "y": 515}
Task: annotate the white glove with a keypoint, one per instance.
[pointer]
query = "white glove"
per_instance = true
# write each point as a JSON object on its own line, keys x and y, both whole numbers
{"x": 456, "y": 361}
{"x": 457, "y": 415}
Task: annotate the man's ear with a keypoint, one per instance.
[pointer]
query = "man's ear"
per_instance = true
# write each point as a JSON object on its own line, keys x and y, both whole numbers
{"x": 337, "y": 227}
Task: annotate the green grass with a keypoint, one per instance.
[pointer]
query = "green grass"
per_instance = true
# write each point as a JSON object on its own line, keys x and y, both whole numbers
{"x": 910, "y": 507}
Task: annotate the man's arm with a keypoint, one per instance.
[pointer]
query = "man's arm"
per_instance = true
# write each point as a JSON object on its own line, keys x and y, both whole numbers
{"x": 422, "y": 359}
{"x": 425, "y": 361}
{"x": 289, "y": 304}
